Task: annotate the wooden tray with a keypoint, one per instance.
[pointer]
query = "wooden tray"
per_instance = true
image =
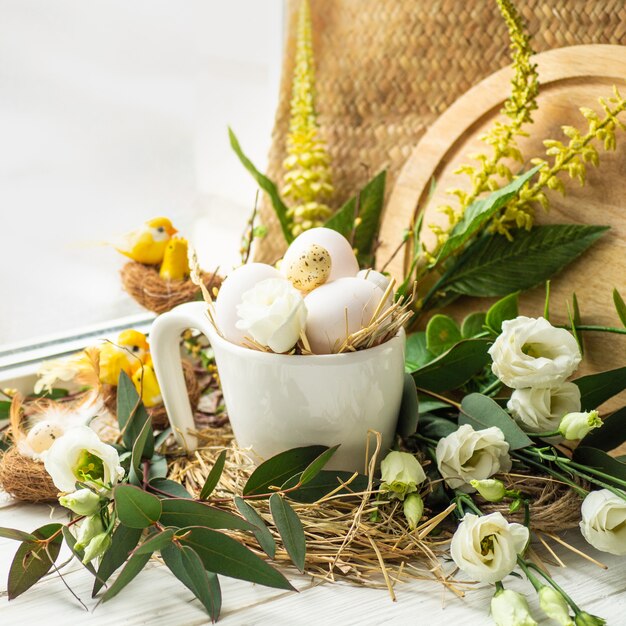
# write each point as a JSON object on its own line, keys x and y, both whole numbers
{"x": 570, "y": 78}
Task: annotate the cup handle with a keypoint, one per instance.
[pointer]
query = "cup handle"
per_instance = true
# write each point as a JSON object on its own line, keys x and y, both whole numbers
{"x": 165, "y": 350}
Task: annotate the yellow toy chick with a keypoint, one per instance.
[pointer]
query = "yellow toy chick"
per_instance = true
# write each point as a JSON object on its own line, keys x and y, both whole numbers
{"x": 127, "y": 355}
{"x": 147, "y": 244}
{"x": 147, "y": 385}
{"x": 175, "y": 265}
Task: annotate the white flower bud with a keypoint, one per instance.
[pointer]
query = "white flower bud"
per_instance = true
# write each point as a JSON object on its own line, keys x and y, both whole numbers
{"x": 554, "y": 605}
{"x": 89, "y": 528}
{"x": 401, "y": 473}
{"x": 577, "y": 425}
{"x": 509, "y": 608}
{"x": 413, "y": 509}
{"x": 491, "y": 489}
{"x": 97, "y": 547}
{"x": 586, "y": 619}
{"x": 81, "y": 502}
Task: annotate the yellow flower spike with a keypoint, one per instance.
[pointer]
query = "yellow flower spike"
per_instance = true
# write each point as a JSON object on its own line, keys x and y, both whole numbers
{"x": 308, "y": 176}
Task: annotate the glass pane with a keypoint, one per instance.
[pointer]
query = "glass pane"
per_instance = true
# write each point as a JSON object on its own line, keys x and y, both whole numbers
{"x": 113, "y": 112}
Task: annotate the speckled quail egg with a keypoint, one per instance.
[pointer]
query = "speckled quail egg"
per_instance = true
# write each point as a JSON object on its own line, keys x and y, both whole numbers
{"x": 310, "y": 269}
{"x": 42, "y": 435}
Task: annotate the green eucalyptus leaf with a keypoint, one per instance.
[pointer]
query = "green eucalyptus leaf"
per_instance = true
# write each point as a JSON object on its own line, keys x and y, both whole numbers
{"x": 155, "y": 542}
{"x": 131, "y": 413}
{"x": 495, "y": 266}
{"x": 181, "y": 513}
{"x": 473, "y": 325}
{"x": 32, "y": 561}
{"x": 290, "y": 529}
{"x": 187, "y": 566}
{"x": 214, "y": 476}
{"x": 453, "y": 368}
{"x": 136, "y": 508}
{"x": 324, "y": 483}
{"x": 275, "y": 471}
{"x": 442, "y": 332}
{"x": 133, "y": 566}
{"x": 435, "y": 426}
{"x": 601, "y": 461}
{"x": 123, "y": 542}
{"x": 409, "y": 408}
{"x": 317, "y": 465}
{"x": 620, "y": 306}
{"x": 158, "y": 467}
{"x": 164, "y": 487}
{"x": 56, "y": 393}
{"x": 610, "y": 435}
{"x": 143, "y": 448}
{"x": 223, "y": 555}
{"x": 481, "y": 412}
{"x": 505, "y": 309}
{"x": 480, "y": 212}
{"x": 5, "y": 407}
{"x": 262, "y": 533}
{"x": 16, "y": 535}
{"x": 595, "y": 389}
{"x": 417, "y": 354}
{"x": 267, "y": 185}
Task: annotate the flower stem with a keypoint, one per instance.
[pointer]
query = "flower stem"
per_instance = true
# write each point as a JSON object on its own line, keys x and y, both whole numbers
{"x": 600, "y": 329}
{"x": 564, "y": 479}
{"x": 552, "y": 583}
{"x": 437, "y": 396}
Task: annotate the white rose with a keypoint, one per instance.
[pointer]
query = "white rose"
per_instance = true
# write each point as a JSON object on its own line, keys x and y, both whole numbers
{"x": 603, "y": 522}
{"x": 273, "y": 313}
{"x": 532, "y": 353}
{"x": 486, "y": 547}
{"x": 80, "y": 456}
{"x": 509, "y": 608}
{"x": 469, "y": 454}
{"x": 541, "y": 409}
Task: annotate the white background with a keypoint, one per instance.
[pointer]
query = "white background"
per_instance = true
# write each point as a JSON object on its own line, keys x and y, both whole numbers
{"x": 112, "y": 112}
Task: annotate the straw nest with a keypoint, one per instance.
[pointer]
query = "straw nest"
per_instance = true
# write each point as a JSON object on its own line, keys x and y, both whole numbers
{"x": 554, "y": 506}
{"x": 26, "y": 479}
{"x": 343, "y": 540}
{"x": 156, "y": 294}
{"x": 157, "y": 413}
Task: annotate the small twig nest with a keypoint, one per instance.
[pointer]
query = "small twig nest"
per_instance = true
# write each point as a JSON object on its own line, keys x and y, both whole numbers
{"x": 554, "y": 507}
{"x": 156, "y": 294}
{"x": 26, "y": 479}
{"x": 158, "y": 413}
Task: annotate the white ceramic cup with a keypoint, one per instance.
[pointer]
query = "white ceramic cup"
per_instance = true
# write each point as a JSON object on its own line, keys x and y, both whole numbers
{"x": 276, "y": 402}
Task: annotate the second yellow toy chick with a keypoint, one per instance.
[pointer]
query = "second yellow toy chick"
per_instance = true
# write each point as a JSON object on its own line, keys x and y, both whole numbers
{"x": 175, "y": 264}
{"x": 147, "y": 385}
{"x": 147, "y": 244}
{"x": 128, "y": 354}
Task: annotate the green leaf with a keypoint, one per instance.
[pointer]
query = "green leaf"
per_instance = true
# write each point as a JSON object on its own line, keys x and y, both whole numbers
{"x": 267, "y": 185}
{"x": 435, "y": 426}
{"x": 473, "y": 325}
{"x": 168, "y": 488}
{"x": 480, "y": 211}
{"x": 620, "y": 306}
{"x": 214, "y": 476}
{"x": 601, "y": 461}
{"x": 123, "y": 542}
{"x": 505, "y": 309}
{"x": 155, "y": 542}
{"x": 482, "y": 412}
{"x": 442, "y": 332}
{"x": 428, "y": 405}
{"x": 494, "y": 266}
{"x": 131, "y": 413}
{"x": 323, "y": 484}
{"x": 290, "y": 529}
{"x": 317, "y": 465}
{"x": 136, "y": 508}
{"x": 409, "y": 409}
{"x": 610, "y": 435}
{"x": 133, "y": 566}
{"x": 17, "y": 535}
{"x": 143, "y": 448}
{"x": 181, "y": 513}
{"x": 416, "y": 352}
{"x": 275, "y": 471}
{"x": 454, "y": 367}
{"x": 71, "y": 541}
{"x": 596, "y": 389}
{"x": 187, "y": 566}
{"x": 32, "y": 562}
{"x": 5, "y": 407}
{"x": 262, "y": 533}
{"x": 223, "y": 555}
{"x": 55, "y": 393}
{"x": 371, "y": 201}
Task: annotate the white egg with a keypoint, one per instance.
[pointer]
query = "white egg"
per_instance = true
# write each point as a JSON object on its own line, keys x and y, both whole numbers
{"x": 42, "y": 435}
{"x": 343, "y": 261}
{"x": 230, "y": 294}
{"x": 380, "y": 280}
{"x": 326, "y": 311}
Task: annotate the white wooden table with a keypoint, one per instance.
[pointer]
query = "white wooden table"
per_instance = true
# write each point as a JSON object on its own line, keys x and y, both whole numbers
{"x": 155, "y": 597}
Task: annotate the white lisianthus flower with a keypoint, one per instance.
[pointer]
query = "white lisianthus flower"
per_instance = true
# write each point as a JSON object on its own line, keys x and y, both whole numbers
{"x": 577, "y": 425}
{"x": 81, "y": 502}
{"x": 273, "y": 313}
{"x": 80, "y": 456}
{"x": 541, "y": 409}
{"x": 532, "y": 353}
{"x": 486, "y": 547}
{"x": 401, "y": 473}
{"x": 509, "y": 608}
{"x": 603, "y": 522}
{"x": 554, "y": 605}
{"x": 469, "y": 454}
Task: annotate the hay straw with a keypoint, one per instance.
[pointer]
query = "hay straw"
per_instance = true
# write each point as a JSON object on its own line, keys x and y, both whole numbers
{"x": 342, "y": 541}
